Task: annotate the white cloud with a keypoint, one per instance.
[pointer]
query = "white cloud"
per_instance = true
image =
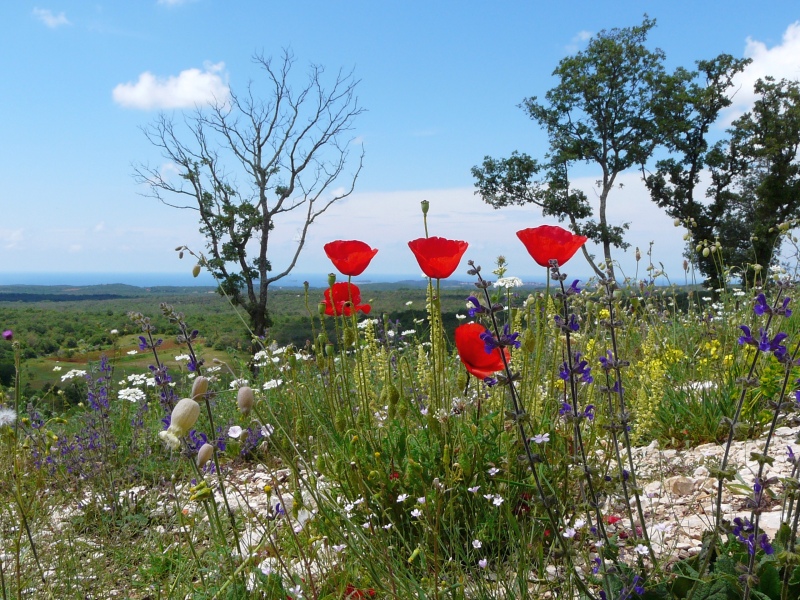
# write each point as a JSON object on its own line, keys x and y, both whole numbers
{"x": 388, "y": 220}
{"x": 51, "y": 20}
{"x": 10, "y": 238}
{"x": 781, "y": 61}
{"x": 188, "y": 89}
{"x": 577, "y": 41}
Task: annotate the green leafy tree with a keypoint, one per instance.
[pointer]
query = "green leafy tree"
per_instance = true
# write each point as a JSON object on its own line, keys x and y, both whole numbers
{"x": 694, "y": 100}
{"x": 755, "y": 175}
{"x": 245, "y": 162}
{"x": 602, "y": 112}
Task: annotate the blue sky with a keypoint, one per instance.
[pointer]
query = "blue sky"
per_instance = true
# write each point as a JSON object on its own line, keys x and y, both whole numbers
{"x": 441, "y": 82}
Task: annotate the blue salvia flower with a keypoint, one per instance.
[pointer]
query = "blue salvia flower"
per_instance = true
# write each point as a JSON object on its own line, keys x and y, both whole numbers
{"x": 747, "y": 338}
{"x": 506, "y": 339}
{"x": 573, "y": 289}
{"x": 761, "y": 306}
{"x": 476, "y": 307}
{"x": 569, "y": 325}
{"x": 579, "y": 367}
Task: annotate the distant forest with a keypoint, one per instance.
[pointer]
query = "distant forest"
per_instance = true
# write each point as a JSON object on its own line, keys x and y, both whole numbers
{"x": 73, "y": 324}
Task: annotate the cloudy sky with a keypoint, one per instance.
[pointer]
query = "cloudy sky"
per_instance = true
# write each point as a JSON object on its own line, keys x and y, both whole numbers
{"x": 440, "y": 82}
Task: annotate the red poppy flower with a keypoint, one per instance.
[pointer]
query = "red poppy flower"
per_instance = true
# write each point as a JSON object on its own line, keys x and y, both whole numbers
{"x": 438, "y": 257}
{"x": 351, "y": 592}
{"x": 548, "y": 242}
{"x": 472, "y": 351}
{"x": 350, "y": 257}
{"x": 346, "y": 300}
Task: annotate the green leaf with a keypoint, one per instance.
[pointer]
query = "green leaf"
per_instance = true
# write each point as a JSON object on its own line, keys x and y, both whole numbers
{"x": 769, "y": 581}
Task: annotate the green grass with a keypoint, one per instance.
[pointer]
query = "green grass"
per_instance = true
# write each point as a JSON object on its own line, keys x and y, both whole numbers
{"x": 368, "y": 467}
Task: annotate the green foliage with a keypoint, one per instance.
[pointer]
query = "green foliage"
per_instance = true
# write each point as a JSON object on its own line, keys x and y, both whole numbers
{"x": 602, "y": 111}
{"x": 367, "y": 461}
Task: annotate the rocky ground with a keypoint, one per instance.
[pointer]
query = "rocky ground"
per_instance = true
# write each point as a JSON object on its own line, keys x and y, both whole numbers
{"x": 680, "y": 493}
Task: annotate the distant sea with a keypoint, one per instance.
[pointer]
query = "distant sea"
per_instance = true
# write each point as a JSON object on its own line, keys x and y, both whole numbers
{"x": 183, "y": 279}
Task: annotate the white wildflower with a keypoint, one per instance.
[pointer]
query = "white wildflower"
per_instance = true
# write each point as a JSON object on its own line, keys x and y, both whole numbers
{"x": 272, "y": 384}
{"x": 234, "y": 432}
{"x": 73, "y": 374}
{"x": 7, "y": 417}
{"x": 508, "y": 282}
{"x": 131, "y": 394}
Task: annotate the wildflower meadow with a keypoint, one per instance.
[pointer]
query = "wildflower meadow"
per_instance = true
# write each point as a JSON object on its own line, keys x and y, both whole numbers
{"x": 536, "y": 450}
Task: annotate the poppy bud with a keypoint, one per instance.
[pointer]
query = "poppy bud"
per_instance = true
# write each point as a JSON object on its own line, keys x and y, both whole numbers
{"x": 245, "y": 400}
{"x": 677, "y": 222}
{"x": 706, "y": 252}
{"x": 638, "y": 255}
{"x": 196, "y": 270}
{"x": 199, "y": 387}
{"x": 331, "y": 279}
{"x": 204, "y": 455}
{"x": 425, "y": 206}
{"x": 685, "y": 265}
{"x": 321, "y": 308}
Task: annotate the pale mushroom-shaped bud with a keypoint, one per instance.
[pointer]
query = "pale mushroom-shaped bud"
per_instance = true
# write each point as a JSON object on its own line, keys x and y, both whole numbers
{"x": 199, "y": 387}
{"x": 245, "y": 399}
{"x": 184, "y": 416}
{"x": 204, "y": 455}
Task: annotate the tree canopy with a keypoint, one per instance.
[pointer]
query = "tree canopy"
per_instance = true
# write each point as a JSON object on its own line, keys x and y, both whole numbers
{"x": 603, "y": 112}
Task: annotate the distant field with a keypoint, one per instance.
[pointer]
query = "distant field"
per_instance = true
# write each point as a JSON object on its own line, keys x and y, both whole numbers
{"x": 71, "y": 326}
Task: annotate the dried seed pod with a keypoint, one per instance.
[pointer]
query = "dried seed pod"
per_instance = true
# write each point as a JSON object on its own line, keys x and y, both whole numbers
{"x": 245, "y": 399}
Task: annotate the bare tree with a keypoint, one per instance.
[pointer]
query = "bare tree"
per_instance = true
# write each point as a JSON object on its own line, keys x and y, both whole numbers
{"x": 245, "y": 161}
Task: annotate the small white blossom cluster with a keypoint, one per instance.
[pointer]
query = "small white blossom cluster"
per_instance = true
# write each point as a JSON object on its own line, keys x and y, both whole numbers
{"x": 495, "y": 499}
{"x": 141, "y": 379}
{"x": 508, "y": 282}
{"x": 272, "y": 384}
{"x": 131, "y": 394}
{"x": 367, "y": 322}
{"x": 74, "y": 373}
{"x": 262, "y": 358}
{"x": 237, "y": 383}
